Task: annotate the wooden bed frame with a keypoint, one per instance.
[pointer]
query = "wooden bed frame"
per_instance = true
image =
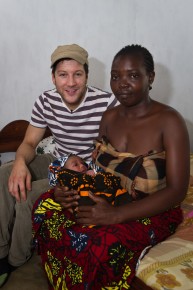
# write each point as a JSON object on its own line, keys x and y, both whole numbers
{"x": 11, "y": 137}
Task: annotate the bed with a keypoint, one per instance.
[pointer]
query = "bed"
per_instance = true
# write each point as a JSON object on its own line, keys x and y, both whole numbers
{"x": 169, "y": 265}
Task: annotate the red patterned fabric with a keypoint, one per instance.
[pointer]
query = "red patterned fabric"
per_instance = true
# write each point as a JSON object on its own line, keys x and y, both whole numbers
{"x": 105, "y": 257}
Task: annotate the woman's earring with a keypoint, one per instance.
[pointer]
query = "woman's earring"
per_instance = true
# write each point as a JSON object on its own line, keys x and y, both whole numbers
{"x": 150, "y": 82}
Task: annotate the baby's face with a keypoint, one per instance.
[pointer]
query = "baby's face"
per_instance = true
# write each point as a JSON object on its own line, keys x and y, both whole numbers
{"x": 76, "y": 163}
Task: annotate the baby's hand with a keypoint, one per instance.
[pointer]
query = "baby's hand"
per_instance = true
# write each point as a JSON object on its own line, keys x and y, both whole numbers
{"x": 90, "y": 172}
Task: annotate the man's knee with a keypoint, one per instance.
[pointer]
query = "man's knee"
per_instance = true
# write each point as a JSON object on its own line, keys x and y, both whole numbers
{"x": 38, "y": 187}
{"x": 5, "y": 171}
{"x": 39, "y": 166}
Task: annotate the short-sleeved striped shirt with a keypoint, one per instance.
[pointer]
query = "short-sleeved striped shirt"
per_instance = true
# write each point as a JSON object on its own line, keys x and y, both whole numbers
{"x": 73, "y": 131}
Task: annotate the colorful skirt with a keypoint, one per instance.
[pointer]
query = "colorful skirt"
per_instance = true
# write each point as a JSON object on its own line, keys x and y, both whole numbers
{"x": 102, "y": 257}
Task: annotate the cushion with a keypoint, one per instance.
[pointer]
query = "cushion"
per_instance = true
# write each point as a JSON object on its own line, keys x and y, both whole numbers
{"x": 47, "y": 145}
{"x": 169, "y": 264}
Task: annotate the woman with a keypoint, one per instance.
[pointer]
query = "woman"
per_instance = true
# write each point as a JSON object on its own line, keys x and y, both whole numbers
{"x": 146, "y": 143}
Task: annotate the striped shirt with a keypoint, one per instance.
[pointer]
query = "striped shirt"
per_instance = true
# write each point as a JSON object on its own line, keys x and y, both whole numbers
{"x": 73, "y": 131}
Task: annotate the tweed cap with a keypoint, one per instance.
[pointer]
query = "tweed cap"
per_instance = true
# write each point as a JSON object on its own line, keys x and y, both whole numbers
{"x": 73, "y": 51}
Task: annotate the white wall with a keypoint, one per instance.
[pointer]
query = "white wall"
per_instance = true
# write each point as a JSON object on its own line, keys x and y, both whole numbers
{"x": 31, "y": 29}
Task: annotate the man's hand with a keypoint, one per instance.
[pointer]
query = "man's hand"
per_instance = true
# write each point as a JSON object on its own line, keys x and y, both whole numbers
{"x": 19, "y": 181}
{"x": 20, "y": 178}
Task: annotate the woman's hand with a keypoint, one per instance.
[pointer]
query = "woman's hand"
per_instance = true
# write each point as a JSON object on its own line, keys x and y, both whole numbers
{"x": 102, "y": 213}
{"x": 68, "y": 199}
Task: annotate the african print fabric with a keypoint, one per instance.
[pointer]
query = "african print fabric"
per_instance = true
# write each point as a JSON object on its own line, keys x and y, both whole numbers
{"x": 140, "y": 175}
{"x": 103, "y": 184}
{"x": 77, "y": 257}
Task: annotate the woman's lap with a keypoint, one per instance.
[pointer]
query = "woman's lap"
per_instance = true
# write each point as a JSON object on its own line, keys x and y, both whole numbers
{"x": 97, "y": 257}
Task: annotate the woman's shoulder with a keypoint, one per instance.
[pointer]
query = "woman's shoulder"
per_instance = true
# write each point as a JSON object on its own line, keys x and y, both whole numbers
{"x": 112, "y": 112}
{"x": 169, "y": 121}
{"x": 165, "y": 111}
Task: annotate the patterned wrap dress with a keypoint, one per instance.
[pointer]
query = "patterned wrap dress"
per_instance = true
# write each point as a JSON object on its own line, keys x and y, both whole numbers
{"x": 103, "y": 257}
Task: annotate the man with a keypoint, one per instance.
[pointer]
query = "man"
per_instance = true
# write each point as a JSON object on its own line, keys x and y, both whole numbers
{"x": 73, "y": 112}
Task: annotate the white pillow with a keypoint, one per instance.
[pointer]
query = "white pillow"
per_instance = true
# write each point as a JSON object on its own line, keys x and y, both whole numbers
{"x": 47, "y": 145}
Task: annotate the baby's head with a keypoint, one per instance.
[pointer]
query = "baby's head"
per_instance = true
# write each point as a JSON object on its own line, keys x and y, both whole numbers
{"x": 71, "y": 162}
{"x": 76, "y": 163}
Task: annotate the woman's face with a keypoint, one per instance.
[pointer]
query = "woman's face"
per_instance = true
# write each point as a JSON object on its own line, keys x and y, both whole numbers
{"x": 130, "y": 81}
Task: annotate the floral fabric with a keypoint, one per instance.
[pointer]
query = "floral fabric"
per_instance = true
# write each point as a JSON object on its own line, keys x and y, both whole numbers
{"x": 105, "y": 257}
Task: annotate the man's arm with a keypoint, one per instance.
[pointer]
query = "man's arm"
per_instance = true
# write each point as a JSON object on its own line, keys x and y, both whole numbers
{"x": 20, "y": 178}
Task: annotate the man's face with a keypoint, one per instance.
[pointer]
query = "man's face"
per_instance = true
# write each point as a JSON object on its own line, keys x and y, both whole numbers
{"x": 70, "y": 80}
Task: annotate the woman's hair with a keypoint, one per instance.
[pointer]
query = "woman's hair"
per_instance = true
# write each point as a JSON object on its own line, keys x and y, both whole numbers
{"x": 55, "y": 65}
{"x": 140, "y": 51}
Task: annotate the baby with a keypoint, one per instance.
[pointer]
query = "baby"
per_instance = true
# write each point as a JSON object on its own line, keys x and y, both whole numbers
{"x": 77, "y": 164}
{"x": 73, "y": 172}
